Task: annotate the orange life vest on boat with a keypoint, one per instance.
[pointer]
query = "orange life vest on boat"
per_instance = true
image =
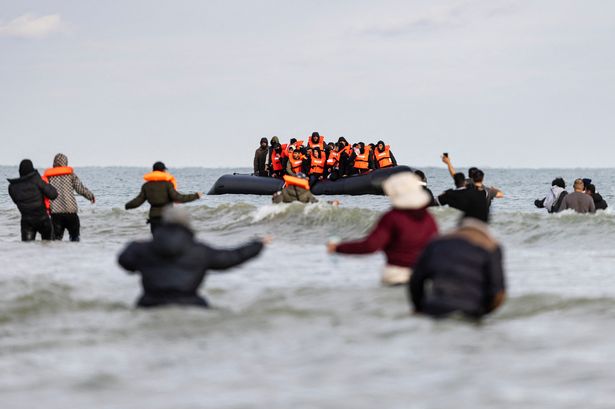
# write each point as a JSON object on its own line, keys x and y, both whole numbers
{"x": 317, "y": 165}
{"x": 295, "y": 181}
{"x": 384, "y": 158}
{"x": 298, "y": 144}
{"x": 296, "y": 164}
{"x": 285, "y": 150}
{"x": 276, "y": 160}
{"x": 158, "y": 176}
{"x": 333, "y": 159}
{"x": 320, "y": 143}
{"x": 362, "y": 159}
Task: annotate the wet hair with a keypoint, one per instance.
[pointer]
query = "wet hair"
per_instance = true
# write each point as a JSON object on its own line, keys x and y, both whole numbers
{"x": 460, "y": 179}
{"x": 559, "y": 182}
{"x": 420, "y": 174}
{"x": 591, "y": 188}
{"x": 159, "y": 166}
{"x": 478, "y": 176}
{"x": 472, "y": 171}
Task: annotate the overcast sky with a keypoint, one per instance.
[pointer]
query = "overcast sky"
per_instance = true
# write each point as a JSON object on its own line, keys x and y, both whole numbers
{"x": 198, "y": 83}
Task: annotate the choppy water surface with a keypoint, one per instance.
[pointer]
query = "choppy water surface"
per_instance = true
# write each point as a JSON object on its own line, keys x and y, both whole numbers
{"x": 298, "y": 328}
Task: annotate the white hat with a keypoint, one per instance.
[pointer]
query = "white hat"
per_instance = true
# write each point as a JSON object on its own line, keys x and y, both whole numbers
{"x": 406, "y": 191}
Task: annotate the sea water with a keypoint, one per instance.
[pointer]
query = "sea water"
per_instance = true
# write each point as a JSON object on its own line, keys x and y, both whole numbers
{"x": 295, "y": 328}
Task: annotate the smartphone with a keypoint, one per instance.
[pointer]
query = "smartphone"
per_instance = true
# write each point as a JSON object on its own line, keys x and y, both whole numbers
{"x": 445, "y": 154}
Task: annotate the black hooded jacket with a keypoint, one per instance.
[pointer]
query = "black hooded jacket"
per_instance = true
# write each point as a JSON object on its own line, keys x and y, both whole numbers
{"x": 173, "y": 265}
{"x": 599, "y": 202}
{"x": 29, "y": 192}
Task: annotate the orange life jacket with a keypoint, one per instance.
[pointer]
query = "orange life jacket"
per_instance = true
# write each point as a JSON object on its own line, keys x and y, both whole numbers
{"x": 333, "y": 159}
{"x": 158, "y": 176}
{"x": 58, "y": 171}
{"x": 384, "y": 158}
{"x": 320, "y": 143}
{"x": 317, "y": 165}
{"x": 45, "y": 198}
{"x": 298, "y": 144}
{"x": 296, "y": 164}
{"x": 276, "y": 160}
{"x": 295, "y": 181}
{"x": 362, "y": 159}
{"x": 285, "y": 150}
{"x": 347, "y": 149}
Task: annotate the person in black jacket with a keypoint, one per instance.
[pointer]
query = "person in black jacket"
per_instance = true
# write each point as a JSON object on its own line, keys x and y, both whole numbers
{"x": 599, "y": 201}
{"x": 460, "y": 272}
{"x": 173, "y": 265}
{"x": 29, "y": 192}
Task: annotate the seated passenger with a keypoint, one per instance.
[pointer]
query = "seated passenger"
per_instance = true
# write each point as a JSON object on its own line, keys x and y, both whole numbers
{"x": 332, "y": 165}
{"x": 362, "y": 159}
{"x": 578, "y": 200}
{"x": 317, "y": 166}
{"x": 553, "y": 201}
{"x": 459, "y": 272}
{"x": 599, "y": 202}
{"x": 174, "y": 264}
{"x": 402, "y": 233}
{"x": 384, "y": 157}
{"x": 295, "y": 162}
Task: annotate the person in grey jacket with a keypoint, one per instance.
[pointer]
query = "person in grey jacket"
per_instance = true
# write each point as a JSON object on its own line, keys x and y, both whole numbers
{"x": 64, "y": 207}
{"x": 578, "y": 200}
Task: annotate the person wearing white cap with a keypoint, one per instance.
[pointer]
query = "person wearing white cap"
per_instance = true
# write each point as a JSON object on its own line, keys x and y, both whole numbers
{"x": 402, "y": 232}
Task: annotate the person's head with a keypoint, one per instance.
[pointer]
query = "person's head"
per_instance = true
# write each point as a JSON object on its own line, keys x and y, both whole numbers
{"x": 579, "y": 186}
{"x": 264, "y": 142}
{"x": 316, "y": 152}
{"x": 590, "y": 189}
{"x": 478, "y": 176}
{"x": 405, "y": 190}
{"x": 559, "y": 182}
{"x": 60, "y": 160}
{"x": 293, "y": 141}
{"x": 342, "y": 139}
{"x": 315, "y": 137}
{"x": 460, "y": 179}
{"x": 587, "y": 181}
{"x": 277, "y": 147}
{"x": 274, "y": 140}
{"x": 303, "y": 150}
{"x": 25, "y": 167}
{"x": 159, "y": 166}
{"x": 421, "y": 176}
{"x": 176, "y": 215}
{"x": 296, "y": 153}
{"x": 471, "y": 172}
{"x": 380, "y": 146}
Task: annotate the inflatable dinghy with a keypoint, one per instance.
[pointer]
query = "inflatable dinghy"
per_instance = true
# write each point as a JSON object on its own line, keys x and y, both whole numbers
{"x": 369, "y": 184}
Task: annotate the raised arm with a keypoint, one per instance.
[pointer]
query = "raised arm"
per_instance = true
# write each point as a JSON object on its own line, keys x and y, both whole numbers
{"x": 224, "y": 259}
{"x": 447, "y": 161}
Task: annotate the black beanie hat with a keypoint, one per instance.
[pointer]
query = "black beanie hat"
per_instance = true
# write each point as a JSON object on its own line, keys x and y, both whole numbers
{"x": 159, "y": 166}
{"x": 26, "y": 167}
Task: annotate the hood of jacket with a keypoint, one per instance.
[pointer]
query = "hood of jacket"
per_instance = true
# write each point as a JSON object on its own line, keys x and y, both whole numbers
{"x": 172, "y": 240}
{"x": 60, "y": 160}
{"x": 23, "y": 178}
{"x": 275, "y": 140}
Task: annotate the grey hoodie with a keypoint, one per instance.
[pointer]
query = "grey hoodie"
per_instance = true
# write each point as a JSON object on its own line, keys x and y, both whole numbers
{"x": 65, "y": 185}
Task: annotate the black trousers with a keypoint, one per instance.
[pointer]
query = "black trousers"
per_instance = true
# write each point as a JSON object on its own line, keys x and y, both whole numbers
{"x": 29, "y": 228}
{"x": 65, "y": 221}
{"x": 154, "y": 223}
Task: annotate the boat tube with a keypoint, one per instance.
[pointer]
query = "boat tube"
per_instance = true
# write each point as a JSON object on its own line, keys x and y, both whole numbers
{"x": 368, "y": 184}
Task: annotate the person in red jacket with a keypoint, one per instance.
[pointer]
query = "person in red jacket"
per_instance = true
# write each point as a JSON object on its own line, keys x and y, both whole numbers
{"x": 402, "y": 232}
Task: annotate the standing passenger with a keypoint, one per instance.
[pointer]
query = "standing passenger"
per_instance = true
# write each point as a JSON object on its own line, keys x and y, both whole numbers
{"x": 159, "y": 190}
{"x": 317, "y": 166}
{"x": 32, "y": 195}
{"x": 64, "y": 207}
{"x": 260, "y": 158}
{"x": 402, "y": 233}
{"x": 384, "y": 157}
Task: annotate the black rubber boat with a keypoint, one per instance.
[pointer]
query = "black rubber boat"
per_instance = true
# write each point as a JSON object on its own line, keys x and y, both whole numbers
{"x": 241, "y": 184}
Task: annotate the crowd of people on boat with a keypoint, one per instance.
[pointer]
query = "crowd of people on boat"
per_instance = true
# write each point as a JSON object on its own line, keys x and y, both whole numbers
{"x": 320, "y": 159}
